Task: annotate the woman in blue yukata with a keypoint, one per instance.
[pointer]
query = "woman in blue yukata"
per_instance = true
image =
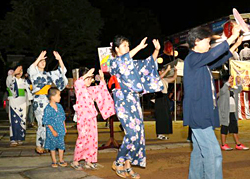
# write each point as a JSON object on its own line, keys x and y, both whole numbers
{"x": 135, "y": 77}
{"x": 41, "y": 83}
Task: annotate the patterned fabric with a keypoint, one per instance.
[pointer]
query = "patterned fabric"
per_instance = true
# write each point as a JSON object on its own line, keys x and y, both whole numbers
{"x": 87, "y": 141}
{"x": 133, "y": 76}
{"x": 55, "y": 119}
{"x": 39, "y": 80}
{"x": 17, "y": 107}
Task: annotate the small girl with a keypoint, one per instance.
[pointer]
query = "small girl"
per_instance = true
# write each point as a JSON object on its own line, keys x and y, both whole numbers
{"x": 54, "y": 120}
{"x": 87, "y": 141}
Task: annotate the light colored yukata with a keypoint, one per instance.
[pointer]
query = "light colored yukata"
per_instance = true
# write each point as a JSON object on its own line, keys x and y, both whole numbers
{"x": 87, "y": 141}
{"x": 55, "y": 119}
{"x": 41, "y": 82}
{"x": 134, "y": 77}
{"x": 19, "y": 91}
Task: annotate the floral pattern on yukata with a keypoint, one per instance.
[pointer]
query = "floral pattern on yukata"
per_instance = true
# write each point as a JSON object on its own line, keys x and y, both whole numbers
{"x": 55, "y": 119}
{"x": 17, "y": 107}
{"x": 87, "y": 141}
{"x": 39, "y": 80}
{"x": 134, "y": 77}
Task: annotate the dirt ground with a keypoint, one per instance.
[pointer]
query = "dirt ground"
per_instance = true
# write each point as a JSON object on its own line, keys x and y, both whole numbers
{"x": 173, "y": 164}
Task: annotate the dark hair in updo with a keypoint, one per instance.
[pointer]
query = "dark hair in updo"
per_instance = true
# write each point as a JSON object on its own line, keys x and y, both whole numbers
{"x": 83, "y": 71}
{"x": 117, "y": 41}
{"x": 52, "y": 92}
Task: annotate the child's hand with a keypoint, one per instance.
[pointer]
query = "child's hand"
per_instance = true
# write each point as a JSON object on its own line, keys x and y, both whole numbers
{"x": 55, "y": 134}
{"x": 90, "y": 72}
{"x": 101, "y": 75}
{"x": 156, "y": 44}
{"x": 18, "y": 70}
{"x": 143, "y": 44}
{"x": 65, "y": 130}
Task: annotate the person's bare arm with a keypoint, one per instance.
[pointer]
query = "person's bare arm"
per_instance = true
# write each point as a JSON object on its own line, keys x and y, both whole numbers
{"x": 135, "y": 50}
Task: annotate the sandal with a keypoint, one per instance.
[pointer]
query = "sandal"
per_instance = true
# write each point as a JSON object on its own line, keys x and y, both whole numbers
{"x": 76, "y": 167}
{"x": 134, "y": 175}
{"x": 162, "y": 137}
{"x": 120, "y": 173}
{"x": 13, "y": 144}
{"x": 19, "y": 142}
{"x": 54, "y": 165}
{"x": 39, "y": 150}
{"x": 93, "y": 166}
{"x": 63, "y": 164}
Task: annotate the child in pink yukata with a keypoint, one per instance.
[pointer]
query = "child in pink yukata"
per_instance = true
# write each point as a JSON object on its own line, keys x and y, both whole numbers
{"x": 87, "y": 141}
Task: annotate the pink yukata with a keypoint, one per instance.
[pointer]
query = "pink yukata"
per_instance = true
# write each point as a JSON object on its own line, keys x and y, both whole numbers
{"x": 87, "y": 141}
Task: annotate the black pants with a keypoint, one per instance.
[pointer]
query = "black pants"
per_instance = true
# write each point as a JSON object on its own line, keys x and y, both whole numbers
{"x": 162, "y": 114}
{"x": 233, "y": 126}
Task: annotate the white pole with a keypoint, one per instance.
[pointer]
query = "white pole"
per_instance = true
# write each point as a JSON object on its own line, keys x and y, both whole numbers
{"x": 175, "y": 108}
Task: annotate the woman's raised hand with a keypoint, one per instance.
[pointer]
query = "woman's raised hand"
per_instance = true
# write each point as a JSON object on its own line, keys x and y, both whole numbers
{"x": 42, "y": 55}
{"x": 57, "y": 55}
{"x": 156, "y": 44}
{"x": 143, "y": 44}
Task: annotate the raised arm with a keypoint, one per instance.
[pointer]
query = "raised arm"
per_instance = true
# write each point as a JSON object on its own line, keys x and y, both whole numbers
{"x": 142, "y": 45}
{"x": 163, "y": 74}
{"x": 236, "y": 45}
{"x": 235, "y": 34}
{"x": 157, "y": 48}
{"x": 41, "y": 56}
{"x": 59, "y": 58}
{"x": 172, "y": 78}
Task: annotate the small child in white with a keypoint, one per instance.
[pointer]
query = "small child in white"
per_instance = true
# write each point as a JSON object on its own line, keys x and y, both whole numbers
{"x": 54, "y": 119}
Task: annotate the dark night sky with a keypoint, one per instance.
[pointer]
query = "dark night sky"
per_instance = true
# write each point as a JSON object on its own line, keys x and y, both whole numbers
{"x": 175, "y": 16}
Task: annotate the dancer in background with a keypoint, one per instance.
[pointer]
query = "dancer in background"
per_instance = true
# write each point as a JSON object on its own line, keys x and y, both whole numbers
{"x": 41, "y": 83}
{"x": 228, "y": 112}
{"x": 163, "y": 116}
{"x": 87, "y": 141}
{"x": 134, "y": 77}
{"x": 19, "y": 91}
{"x": 199, "y": 105}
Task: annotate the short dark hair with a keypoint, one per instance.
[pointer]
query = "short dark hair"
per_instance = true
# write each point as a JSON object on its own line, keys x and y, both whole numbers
{"x": 246, "y": 45}
{"x": 52, "y": 92}
{"x": 198, "y": 33}
{"x": 117, "y": 41}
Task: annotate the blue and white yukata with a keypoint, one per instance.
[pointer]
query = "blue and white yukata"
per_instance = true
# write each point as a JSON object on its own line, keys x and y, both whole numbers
{"x": 55, "y": 119}
{"x": 19, "y": 93}
{"x": 134, "y": 77}
{"x": 39, "y": 81}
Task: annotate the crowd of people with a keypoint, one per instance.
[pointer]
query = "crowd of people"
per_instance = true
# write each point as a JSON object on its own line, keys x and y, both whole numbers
{"x": 202, "y": 113}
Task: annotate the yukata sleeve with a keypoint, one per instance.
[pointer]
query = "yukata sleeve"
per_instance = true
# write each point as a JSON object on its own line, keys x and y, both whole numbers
{"x": 62, "y": 113}
{"x": 28, "y": 90}
{"x": 12, "y": 86}
{"x": 203, "y": 59}
{"x": 47, "y": 116}
{"x": 104, "y": 101}
{"x": 32, "y": 71}
{"x": 149, "y": 75}
{"x": 126, "y": 74}
{"x": 59, "y": 78}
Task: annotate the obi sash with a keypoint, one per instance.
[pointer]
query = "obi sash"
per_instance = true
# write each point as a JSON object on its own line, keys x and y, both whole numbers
{"x": 21, "y": 92}
{"x": 44, "y": 90}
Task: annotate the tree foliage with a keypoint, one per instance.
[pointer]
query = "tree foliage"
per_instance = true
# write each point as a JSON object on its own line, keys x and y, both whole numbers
{"x": 71, "y": 27}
